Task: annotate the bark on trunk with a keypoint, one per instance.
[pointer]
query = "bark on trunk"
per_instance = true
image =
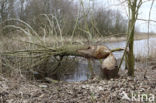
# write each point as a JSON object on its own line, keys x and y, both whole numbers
{"x": 131, "y": 31}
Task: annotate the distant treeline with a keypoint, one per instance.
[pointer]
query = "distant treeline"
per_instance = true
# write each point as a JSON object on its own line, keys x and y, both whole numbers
{"x": 65, "y": 17}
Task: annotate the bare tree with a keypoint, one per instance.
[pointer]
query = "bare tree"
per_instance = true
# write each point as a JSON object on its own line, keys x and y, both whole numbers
{"x": 96, "y": 21}
{"x": 11, "y": 12}
{"x": 133, "y": 10}
{"x": 3, "y": 10}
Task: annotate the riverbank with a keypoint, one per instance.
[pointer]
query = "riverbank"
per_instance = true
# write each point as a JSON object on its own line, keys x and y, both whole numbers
{"x": 98, "y": 39}
{"x": 18, "y": 89}
{"x": 124, "y": 38}
{"x": 82, "y": 40}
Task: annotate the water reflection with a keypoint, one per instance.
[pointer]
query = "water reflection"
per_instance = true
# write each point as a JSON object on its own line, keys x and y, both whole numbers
{"x": 82, "y": 72}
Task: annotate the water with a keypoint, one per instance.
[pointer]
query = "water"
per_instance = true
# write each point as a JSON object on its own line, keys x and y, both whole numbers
{"x": 140, "y": 47}
{"x": 82, "y": 72}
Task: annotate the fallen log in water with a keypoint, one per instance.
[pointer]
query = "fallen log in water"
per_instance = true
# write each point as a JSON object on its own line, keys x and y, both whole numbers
{"x": 109, "y": 64}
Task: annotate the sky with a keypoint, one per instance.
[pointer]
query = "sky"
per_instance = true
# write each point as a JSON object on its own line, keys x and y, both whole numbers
{"x": 143, "y": 12}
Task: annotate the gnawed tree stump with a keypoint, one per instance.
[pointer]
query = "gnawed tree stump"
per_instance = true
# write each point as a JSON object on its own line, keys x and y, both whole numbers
{"x": 109, "y": 66}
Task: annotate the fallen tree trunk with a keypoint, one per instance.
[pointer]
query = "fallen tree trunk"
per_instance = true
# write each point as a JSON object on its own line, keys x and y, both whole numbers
{"x": 109, "y": 65}
{"x": 68, "y": 50}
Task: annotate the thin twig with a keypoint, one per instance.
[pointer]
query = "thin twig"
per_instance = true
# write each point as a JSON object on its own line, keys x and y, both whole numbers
{"x": 148, "y": 38}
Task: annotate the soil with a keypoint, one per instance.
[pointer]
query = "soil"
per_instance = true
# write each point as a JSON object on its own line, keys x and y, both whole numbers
{"x": 20, "y": 90}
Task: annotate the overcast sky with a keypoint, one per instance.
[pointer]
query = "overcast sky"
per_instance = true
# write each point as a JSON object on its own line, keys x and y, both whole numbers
{"x": 143, "y": 14}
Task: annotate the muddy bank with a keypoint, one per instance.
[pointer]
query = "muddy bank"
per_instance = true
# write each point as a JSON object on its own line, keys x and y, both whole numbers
{"x": 20, "y": 90}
